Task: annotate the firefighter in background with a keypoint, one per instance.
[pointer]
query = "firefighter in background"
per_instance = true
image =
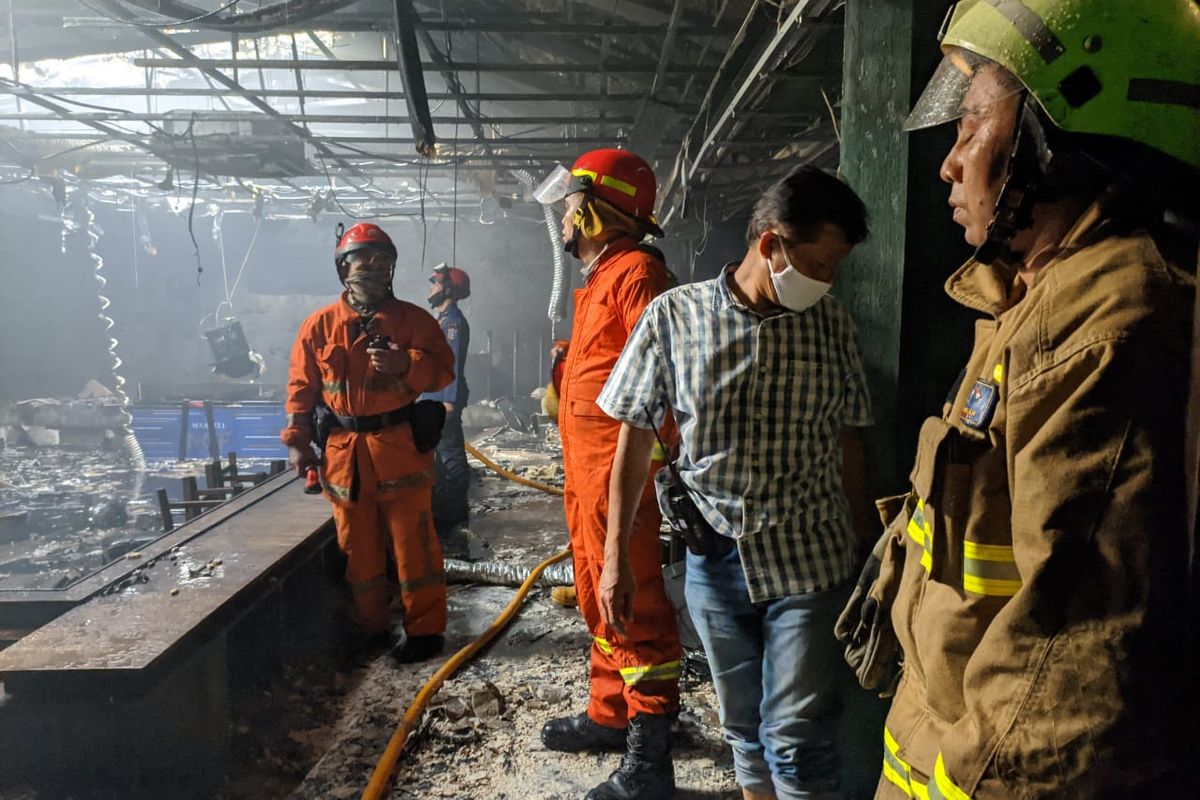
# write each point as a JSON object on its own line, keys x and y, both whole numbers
{"x": 608, "y": 197}
{"x": 447, "y": 286}
{"x": 368, "y": 357}
{"x": 1037, "y": 572}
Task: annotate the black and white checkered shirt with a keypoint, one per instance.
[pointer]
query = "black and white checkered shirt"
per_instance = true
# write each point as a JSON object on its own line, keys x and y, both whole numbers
{"x": 760, "y": 403}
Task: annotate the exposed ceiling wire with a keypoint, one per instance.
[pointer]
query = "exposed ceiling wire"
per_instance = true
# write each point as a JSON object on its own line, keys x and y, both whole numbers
{"x": 832, "y": 116}
{"x": 172, "y": 23}
{"x": 191, "y": 133}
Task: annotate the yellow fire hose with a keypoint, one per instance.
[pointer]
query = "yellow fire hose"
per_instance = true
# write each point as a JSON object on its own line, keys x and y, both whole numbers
{"x": 512, "y": 476}
{"x": 387, "y": 762}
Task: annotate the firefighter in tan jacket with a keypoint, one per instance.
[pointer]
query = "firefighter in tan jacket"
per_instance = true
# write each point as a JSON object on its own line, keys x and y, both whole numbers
{"x": 1036, "y": 575}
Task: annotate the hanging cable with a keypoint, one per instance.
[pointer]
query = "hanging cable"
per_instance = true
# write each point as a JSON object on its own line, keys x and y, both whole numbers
{"x": 191, "y": 132}
{"x": 424, "y": 182}
{"x": 245, "y": 260}
{"x": 79, "y": 228}
{"x": 454, "y": 221}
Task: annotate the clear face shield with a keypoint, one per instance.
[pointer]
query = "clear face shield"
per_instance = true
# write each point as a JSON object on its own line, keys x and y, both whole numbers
{"x": 557, "y": 185}
{"x": 964, "y": 83}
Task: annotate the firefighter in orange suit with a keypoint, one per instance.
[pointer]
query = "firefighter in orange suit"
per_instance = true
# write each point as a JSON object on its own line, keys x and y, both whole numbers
{"x": 608, "y": 197}
{"x": 367, "y": 357}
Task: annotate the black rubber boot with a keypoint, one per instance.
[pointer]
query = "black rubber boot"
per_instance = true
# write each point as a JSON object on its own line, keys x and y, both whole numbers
{"x": 419, "y": 648}
{"x": 579, "y": 733}
{"x": 646, "y": 771}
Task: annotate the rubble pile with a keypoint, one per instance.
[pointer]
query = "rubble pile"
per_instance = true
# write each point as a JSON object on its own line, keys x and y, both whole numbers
{"x": 64, "y": 514}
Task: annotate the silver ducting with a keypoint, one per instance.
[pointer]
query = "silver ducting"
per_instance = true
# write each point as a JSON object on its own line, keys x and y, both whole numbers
{"x": 557, "y": 311}
{"x": 500, "y": 573}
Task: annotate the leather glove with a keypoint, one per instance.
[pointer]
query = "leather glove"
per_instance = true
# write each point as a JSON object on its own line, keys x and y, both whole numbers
{"x": 865, "y": 625}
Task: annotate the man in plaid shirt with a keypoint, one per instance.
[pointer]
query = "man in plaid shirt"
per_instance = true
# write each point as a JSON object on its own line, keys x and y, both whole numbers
{"x": 761, "y": 369}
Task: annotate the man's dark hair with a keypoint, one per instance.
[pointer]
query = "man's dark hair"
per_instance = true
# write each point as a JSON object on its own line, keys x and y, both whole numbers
{"x": 802, "y": 202}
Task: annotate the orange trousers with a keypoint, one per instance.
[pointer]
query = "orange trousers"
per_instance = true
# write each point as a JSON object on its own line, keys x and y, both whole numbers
{"x": 405, "y": 520}
{"x": 637, "y": 673}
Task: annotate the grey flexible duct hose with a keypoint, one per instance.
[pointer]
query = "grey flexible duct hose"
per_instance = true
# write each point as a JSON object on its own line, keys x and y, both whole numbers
{"x": 557, "y": 311}
{"x": 79, "y": 227}
{"x": 500, "y": 573}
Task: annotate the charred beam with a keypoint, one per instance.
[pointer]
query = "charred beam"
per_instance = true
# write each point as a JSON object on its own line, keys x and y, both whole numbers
{"x": 408, "y": 61}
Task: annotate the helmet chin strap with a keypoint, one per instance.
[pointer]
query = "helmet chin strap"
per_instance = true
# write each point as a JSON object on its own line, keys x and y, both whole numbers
{"x": 571, "y": 247}
{"x": 1027, "y": 165}
{"x": 437, "y": 299}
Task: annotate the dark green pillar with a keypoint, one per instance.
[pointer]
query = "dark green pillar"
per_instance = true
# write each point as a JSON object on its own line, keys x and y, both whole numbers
{"x": 914, "y": 338}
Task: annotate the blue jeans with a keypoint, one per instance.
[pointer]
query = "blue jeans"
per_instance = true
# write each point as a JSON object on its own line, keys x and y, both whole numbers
{"x": 776, "y": 668}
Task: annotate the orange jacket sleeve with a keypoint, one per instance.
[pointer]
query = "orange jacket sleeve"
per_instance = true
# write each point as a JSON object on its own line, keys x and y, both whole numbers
{"x": 432, "y": 366}
{"x": 303, "y": 390}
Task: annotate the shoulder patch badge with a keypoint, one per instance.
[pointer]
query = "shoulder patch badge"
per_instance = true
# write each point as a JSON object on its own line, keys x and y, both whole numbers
{"x": 981, "y": 404}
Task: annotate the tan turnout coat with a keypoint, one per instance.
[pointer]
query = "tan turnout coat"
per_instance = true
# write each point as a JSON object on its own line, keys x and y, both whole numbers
{"x": 1040, "y": 559}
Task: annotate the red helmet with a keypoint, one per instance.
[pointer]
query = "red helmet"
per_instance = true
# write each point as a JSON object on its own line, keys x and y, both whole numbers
{"x": 619, "y": 177}
{"x": 453, "y": 280}
{"x": 362, "y": 236}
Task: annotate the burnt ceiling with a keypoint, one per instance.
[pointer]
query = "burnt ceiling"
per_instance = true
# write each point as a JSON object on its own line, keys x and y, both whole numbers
{"x": 300, "y": 104}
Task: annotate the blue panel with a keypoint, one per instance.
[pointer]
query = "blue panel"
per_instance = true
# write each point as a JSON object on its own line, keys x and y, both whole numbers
{"x": 250, "y": 430}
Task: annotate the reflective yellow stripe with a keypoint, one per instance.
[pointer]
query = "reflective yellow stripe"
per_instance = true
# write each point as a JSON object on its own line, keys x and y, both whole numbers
{"x": 603, "y": 645}
{"x": 340, "y": 492}
{"x": 987, "y": 552}
{"x": 942, "y": 788}
{"x": 998, "y": 374}
{"x": 406, "y": 481}
{"x": 583, "y": 173}
{"x": 618, "y": 184}
{"x": 658, "y": 672}
{"x": 921, "y": 532}
{"x": 991, "y": 587}
{"x": 297, "y": 419}
{"x": 895, "y": 777}
{"x": 893, "y": 747}
{"x": 417, "y": 584}
{"x": 990, "y": 569}
{"x": 894, "y": 767}
{"x": 334, "y": 387}
{"x": 370, "y": 585}
{"x": 659, "y": 453}
{"x": 897, "y": 770}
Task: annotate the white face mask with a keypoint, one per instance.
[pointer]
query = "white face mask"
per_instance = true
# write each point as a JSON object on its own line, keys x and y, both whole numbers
{"x": 793, "y": 289}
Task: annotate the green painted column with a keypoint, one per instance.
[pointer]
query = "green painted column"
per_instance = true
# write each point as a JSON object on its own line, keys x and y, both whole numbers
{"x": 914, "y": 339}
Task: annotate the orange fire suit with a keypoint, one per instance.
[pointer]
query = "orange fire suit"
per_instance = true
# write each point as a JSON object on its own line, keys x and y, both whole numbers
{"x": 378, "y": 482}
{"x": 638, "y": 673}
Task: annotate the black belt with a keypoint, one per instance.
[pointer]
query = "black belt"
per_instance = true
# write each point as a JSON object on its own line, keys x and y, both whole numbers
{"x": 388, "y": 419}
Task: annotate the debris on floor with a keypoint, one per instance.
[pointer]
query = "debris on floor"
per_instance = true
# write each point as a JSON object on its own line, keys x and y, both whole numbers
{"x": 319, "y": 735}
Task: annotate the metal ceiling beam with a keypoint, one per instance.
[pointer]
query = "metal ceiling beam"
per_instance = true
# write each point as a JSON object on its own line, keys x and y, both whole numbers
{"x": 333, "y": 94}
{"x": 408, "y": 62}
{"x": 190, "y": 58}
{"x": 769, "y": 59}
{"x": 106, "y": 132}
{"x": 617, "y": 68}
{"x": 299, "y": 119}
{"x": 566, "y": 142}
{"x": 538, "y": 26}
